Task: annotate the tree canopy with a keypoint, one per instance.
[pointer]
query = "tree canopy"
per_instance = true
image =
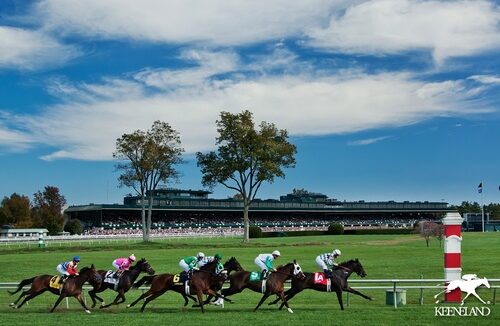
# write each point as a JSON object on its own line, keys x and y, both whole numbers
{"x": 246, "y": 157}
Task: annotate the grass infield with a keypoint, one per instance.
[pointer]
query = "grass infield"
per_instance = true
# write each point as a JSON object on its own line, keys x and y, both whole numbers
{"x": 383, "y": 257}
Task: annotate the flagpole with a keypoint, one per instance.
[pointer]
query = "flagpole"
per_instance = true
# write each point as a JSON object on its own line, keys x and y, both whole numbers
{"x": 482, "y": 207}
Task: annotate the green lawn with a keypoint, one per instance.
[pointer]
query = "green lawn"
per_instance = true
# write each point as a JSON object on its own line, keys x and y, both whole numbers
{"x": 383, "y": 256}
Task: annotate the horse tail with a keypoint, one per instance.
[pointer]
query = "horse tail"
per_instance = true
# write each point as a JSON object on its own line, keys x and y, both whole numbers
{"x": 145, "y": 280}
{"x": 22, "y": 284}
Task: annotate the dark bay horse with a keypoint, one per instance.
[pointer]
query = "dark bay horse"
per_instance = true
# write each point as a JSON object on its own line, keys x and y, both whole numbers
{"x": 125, "y": 282}
{"x": 201, "y": 283}
{"x": 274, "y": 284}
{"x": 72, "y": 287}
{"x": 338, "y": 283}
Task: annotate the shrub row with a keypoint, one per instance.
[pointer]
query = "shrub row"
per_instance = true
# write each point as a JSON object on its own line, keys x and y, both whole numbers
{"x": 256, "y": 232}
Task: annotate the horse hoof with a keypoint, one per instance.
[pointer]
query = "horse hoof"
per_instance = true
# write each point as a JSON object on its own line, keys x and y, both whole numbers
{"x": 87, "y": 311}
{"x": 290, "y": 310}
{"x": 12, "y": 304}
{"x": 128, "y": 306}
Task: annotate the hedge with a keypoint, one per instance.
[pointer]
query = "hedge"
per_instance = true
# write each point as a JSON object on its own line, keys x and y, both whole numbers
{"x": 279, "y": 234}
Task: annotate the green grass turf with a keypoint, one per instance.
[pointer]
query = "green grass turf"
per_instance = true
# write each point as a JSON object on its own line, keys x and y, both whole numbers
{"x": 383, "y": 257}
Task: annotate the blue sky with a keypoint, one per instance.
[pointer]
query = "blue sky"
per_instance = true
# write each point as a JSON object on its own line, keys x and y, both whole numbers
{"x": 385, "y": 100}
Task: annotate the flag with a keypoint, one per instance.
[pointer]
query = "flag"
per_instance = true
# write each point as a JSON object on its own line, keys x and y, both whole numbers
{"x": 480, "y": 188}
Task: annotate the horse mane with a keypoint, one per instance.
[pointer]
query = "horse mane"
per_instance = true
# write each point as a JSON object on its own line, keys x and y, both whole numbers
{"x": 208, "y": 265}
{"x": 283, "y": 266}
{"x": 345, "y": 263}
{"x": 140, "y": 261}
{"x": 84, "y": 269}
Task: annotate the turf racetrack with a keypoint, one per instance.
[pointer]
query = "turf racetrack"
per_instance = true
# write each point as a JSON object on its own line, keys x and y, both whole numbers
{"x": 382, "y": 256}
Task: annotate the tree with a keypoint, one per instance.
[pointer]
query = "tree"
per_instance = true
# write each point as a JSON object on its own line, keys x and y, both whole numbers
{"x": 74, "y": 226}
{"x": 47, "y": 209}
{"x": 148, "y": 158}
{"x": 16, "y": 210}
{"x": 246, "y": 157}
{"x": 427, "y": 229}
{"x": 468, "y": 207}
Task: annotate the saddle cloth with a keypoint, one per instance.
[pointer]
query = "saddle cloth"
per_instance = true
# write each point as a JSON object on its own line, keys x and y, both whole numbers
{"x": 255, "y": 276}
{"x": 109, "y": 278}
{"x": 320, "y": 278}
{"x": 54, "y": 282}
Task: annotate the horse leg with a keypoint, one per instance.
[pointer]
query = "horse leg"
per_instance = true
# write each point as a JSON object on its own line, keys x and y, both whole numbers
{"x": 199, "y": 294}
{"x": 288, "y": 296}
{"x": 144, "y": 295}
{"x": 264, "y": 297}
{"x": 275, "y": 301}
{"x": 348, "y": 289}
{"x": 339, "y": 297}
{"x": 79, "y": 298}
{"x": 62, "y": 296}
{"x": 285, "y": 302}
{"x": 23, "y": 294}
{"x": 112, "y": 303}
{"x": 28, "y": 298}
{"x": 151, "y": 298}
{"x": 93, "y": 296}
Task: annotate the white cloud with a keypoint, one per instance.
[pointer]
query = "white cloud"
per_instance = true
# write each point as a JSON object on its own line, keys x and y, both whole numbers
{"x": 28, "y": 49}
{"x": 486, "y": 79}
{"x": 212, "y": 21}
{"x": 446, "y": 28}
{"x": 208, "y": 63}
{"x": 86, "y": 127}
{"x": 368, "y": 141}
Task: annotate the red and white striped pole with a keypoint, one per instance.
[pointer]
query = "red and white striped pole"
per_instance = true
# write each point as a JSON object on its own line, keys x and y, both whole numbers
{"x": 452, "y": 253}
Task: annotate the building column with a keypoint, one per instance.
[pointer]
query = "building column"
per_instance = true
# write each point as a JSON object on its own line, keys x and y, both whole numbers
{"x": 453, "y": 253}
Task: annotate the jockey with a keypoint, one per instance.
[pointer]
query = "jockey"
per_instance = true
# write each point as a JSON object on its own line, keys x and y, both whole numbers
{"x": 122, "y": 264}
{"x": 209, "y": 259}
{"x": 188, "y": 264}
{"x": 68, "y": 268}
{"x": 326, "y": 261}
{"x": 265, "y": 262}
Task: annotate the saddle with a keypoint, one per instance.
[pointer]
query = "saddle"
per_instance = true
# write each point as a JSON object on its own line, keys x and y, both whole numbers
{"x": 183, "y": 279}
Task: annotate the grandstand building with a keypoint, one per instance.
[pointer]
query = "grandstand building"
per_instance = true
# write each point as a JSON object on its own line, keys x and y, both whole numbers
{"x": 193, "y": 208}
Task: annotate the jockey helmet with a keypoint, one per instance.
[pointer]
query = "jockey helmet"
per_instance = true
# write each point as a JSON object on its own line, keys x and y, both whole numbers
{"x": 218, "y": 256}
{"x": 132, "y": 257}
{"x": 76, "y": 258}
{"x": 336, "y": 252}
{"x": 276, "y": 253}
{"x": 200, "y": 255}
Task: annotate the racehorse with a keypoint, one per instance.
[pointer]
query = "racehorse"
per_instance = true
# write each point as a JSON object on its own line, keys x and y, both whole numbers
{"x": 202, "y": 282}
{"x": 274, "y": 284}
{"x": 72, "y": 287}
{"x": 338, "y": 283}
{"x": 466, "y": 285}
{"x": 124, "y": 283}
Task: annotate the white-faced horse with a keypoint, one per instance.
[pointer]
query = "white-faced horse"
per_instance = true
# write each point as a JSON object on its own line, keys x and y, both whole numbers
{"x": 468, "y": 285}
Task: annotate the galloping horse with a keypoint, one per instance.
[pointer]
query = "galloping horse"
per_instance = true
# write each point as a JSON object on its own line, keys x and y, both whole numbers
{"x": 124, "y": 284}
{"x": 202, "y": 282}
{"x": 72, "y": 287}
{"x": 274, "y": 284}
{"x": 338, "y": 283}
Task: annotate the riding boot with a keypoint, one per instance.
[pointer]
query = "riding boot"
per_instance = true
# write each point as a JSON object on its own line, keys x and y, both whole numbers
{"x": 263, "y": 276}
{"x": 190, "y": 274}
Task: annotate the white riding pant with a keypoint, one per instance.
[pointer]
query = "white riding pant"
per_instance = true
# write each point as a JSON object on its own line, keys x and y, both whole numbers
{"x": 61, "y": 270}
{"x": 321, "y": 263}
{"x": 115, "y": 265}
{"x": 184, "y": 266}
{"x": 260, "y": 263}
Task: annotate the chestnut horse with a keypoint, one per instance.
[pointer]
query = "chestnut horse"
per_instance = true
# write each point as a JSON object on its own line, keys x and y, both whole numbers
{"x": 72, "y": 287}
{"x": 202, "y": 282}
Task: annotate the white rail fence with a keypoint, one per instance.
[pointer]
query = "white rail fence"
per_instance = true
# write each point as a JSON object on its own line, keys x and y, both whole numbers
{"x": 379, "y": 284}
